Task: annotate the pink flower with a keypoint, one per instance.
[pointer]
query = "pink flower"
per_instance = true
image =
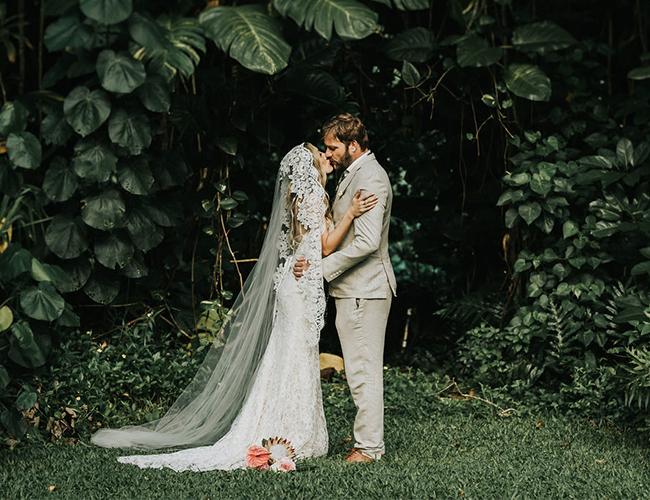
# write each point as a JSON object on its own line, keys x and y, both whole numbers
{"x": 286, "y": 464}
{"x": 258, "y": 457}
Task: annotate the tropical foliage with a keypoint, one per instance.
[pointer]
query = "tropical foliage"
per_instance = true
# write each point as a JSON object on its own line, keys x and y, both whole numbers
{"x": 139, "y": 142}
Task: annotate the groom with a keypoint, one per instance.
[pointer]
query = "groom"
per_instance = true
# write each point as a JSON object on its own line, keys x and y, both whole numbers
{"x": 361, "y": 279}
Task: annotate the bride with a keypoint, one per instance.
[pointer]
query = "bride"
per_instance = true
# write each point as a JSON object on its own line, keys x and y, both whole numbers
{"x": 263, "y": 380}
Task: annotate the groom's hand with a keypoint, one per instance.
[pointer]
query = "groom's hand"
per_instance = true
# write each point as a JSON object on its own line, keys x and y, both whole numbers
{"x": 300, "y": 267}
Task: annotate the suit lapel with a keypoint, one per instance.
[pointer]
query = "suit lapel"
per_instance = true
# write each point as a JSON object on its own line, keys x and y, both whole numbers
{"x": 348, "y": 178}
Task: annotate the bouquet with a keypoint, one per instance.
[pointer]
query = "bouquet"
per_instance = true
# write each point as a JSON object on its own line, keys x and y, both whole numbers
{"x": 275, "y": 453}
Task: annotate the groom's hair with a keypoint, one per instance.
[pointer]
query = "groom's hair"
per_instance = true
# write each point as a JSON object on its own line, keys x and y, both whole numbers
{"x": 347, "y": 128}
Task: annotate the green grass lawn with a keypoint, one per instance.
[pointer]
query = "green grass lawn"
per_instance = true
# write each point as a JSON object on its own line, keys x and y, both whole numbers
{"x": 436, "y": 448}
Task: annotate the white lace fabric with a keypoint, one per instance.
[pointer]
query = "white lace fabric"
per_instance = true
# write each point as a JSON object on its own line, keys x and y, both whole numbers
{"x": 265, "y": 381}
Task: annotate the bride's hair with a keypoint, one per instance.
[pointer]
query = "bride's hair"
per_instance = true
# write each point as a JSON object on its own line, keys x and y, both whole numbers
{"x": 296, "y": 229}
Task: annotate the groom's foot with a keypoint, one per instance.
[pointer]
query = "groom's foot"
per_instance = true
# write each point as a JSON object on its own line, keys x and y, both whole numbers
{"x": 355, "y": 455}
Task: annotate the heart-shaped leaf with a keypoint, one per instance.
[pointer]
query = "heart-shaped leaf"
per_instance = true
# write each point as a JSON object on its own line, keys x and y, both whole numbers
{"x": 135, "y": 175}
{"x": 528, "y": 81}
{"x": 55, "y": 128}
{"x": 66, "y": 237}
{"x": 136, "y": 267}
{"x": 119, "y": 72}
{"x": 94, "y": 160}
{"x": 86, "y": 110}
{"x": 46, "y": 272}
{"x": 130, "y": 130}
{"x": 102, "y": 287}
{"x": 106, "y": 11}
{"x": 77, "y": 272}
{"x": 249, "y": 35}
{"x": 68, "y": 318}
{"x": 24, "y": 150}
{"x": 104, "y": 210}
{"x": 145, "y": 234}
{"x": 13, "y": 118}
{"x": 113, "y": 249}
{"x": 42, "y": 302}
{"x": 530, "y": 211}
{"x": 154, "y": 94}
{"x": 67, "y": 32}
{"x": 60, "y": 181}
{"x": 415, "y": 45}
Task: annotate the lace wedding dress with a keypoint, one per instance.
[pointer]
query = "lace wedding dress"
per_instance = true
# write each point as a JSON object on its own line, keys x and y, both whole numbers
{"x": 264, "y": 380}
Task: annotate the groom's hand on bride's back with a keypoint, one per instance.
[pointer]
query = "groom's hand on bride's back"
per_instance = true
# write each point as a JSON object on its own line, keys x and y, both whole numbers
{"x": 300, "y": 267}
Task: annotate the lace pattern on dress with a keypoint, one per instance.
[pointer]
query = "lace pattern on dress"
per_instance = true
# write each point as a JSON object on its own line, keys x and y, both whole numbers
{"x": 299, "y": 178}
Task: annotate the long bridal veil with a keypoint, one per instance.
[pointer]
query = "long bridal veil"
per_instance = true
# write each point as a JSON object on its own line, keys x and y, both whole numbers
{"x": 207, "y": 407}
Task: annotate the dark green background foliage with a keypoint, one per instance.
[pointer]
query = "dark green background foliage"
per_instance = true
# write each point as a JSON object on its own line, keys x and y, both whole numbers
{"x": 140, "y": 142}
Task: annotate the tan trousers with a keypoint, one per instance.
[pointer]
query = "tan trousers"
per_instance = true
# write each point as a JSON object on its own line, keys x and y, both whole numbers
{"x": 361, "y": 325}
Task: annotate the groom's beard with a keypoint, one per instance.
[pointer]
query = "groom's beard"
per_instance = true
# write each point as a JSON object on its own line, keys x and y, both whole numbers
{"x": 344, "y": 163}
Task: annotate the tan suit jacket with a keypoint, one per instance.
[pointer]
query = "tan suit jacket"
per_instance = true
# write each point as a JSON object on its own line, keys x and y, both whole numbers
{"x": 360, "y": 267}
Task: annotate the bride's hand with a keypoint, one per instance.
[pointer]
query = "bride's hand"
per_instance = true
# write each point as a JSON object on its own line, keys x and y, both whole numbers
{"x": 362, "y": 204}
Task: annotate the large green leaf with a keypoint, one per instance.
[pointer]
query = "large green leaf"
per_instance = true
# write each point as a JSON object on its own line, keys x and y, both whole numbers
{"x": 530, "y": 211}
{"x": 528, "y": 81}
{"x": 42, "y": 302}
{"x": 6, "y": 318}
{"x": 68, "y": 318}
{"x": 107, "y": 11}
{"x": 114, "y": 249}
{"x": 46, "y": 272}
{"x": 13, "y": 118}
{"x": 169, "y": 44}
{"x": 144, "y": 232}
{"x": 66, "y": 237}
{"x": 60, "y": 181}
{"x": 119, "y": 72}
{"x": 130, "y": 130}
{"x": 406, "y": 4}
{"x": 625, "y": 152}
{"x": 14, "y": 261}
{"x": 135, "y": 268}
{"x": 410, "y": 74}
{"x": 24, "y": 150}
{"x": 541, "y": 37}
{"x": 77, "y": 272}
{"x": 102, "y": 287}
{"x": 351, "y": 19}
{"x": 27, "y": 349}
{"x": 94, "y": 160}
{"x": 414, "y": 45}
{"x": 135, "y": 175}
{"x": 640, "y": 73}
{"x": 86, "y": 110}
{"x": 249, "y": 35}
{"x": 154, "y": 94}
{"x": 55, "y": 129}
{"x": 104, "y": 210}
{"x": 472, "y": 51}
{"x": 67, "y": 33}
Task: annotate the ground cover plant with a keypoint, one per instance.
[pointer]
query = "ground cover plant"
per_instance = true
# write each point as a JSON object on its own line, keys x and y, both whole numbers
{"x": 440, "y": 445}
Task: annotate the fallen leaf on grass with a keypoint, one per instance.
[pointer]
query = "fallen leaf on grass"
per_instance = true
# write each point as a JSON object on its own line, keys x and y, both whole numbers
{"x": 346, "y": 440}
{"x": 52, "y": 488}
{"x": 601, "y": 461}
{"x": 539, "y": 425}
